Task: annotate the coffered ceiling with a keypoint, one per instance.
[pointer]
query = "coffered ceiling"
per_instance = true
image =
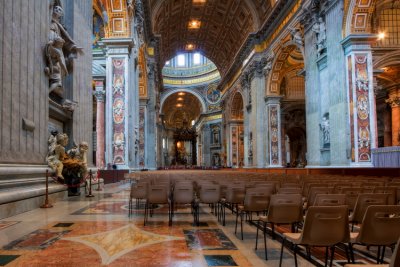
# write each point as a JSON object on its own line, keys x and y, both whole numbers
{"x": 225, "y": 25}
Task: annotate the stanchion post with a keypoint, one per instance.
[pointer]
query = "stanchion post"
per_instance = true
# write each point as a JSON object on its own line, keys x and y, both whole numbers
{"x": 46, "y": 202}
{"x": 90, "y": 184}
{"x": 98, "y": 181}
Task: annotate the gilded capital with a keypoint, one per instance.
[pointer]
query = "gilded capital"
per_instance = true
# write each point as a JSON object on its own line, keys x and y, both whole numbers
{"x": 393, "y": 101}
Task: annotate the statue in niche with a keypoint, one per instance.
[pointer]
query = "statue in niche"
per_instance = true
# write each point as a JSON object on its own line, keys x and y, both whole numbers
{"x": 59, "y": 50}
{"x": 320, "y": 33}
{"x": 325, "y": 128}
{"x": 297, "y": 37}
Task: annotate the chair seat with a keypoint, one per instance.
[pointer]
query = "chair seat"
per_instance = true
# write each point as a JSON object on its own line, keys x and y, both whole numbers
{"x": 366, "y": 265}
{"x": 263, "y": 218}
{"x": 292, "y": 237}
{"x": 353, "y": 237}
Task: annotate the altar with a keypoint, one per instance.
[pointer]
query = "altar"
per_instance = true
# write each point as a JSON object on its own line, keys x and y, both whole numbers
{"x": 386, "y": 157}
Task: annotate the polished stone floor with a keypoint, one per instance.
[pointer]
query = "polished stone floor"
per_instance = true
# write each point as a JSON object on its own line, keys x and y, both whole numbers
{"x": 97, "y": 231}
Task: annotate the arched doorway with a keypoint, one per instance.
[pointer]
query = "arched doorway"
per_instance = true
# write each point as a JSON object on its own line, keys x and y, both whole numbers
{"x": 180, "y": 110}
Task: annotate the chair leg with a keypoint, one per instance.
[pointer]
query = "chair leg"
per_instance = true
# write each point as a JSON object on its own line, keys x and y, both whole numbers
{"x": 258, "y": 224}
{"x": 383, "y": 253}
{"x": 145, "y": 214}
{"x": 351, "y": 252}
{"x": 295, "y": 255}
{"x": 223, "y": 215}
{"x": 378, "y": 254}
{"x": 170, "y": 212}
{"x": 332, "y": 255}
{"x": 129, "y": 207}
{"x": 347, "y": 253}
{"x": 273, "y": 230}
{"x": 326, "y": 256}
{"x": 237, "y": 217}
{"x": 265, "y": 240}
{"x": 241, "y": 224}
{"x": 280, "y": 258}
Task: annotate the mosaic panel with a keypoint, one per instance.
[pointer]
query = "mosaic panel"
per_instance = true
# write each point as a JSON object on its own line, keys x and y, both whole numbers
{"x": 142, "y": 136}
{"x": 208, "y": 239}
{"x": 39, "y": 239}
{"x": 363, "y": 107}
{"x": 234, "y": 140}
{"x": 220, "y": 260}
{"x": 118, "y": 85}
{"x": 274, "y": 133}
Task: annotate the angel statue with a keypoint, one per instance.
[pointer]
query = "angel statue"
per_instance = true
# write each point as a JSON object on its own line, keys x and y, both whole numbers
{"x": 59, "y": 49}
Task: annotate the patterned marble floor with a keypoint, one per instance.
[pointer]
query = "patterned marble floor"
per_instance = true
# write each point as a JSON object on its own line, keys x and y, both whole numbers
{"x": 98, "y": 232}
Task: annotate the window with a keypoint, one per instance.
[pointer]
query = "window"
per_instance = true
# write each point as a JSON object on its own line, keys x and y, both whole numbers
{"x": 181, "y": 60}
{"x": 196, "y": 58}
{"x": 167, "y": 63}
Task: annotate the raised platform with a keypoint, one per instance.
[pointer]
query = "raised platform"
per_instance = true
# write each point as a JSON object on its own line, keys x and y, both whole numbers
{"x": 23, "y": 188}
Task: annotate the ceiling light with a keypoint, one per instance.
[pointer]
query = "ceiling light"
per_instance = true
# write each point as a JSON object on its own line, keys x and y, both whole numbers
{"x": 180, "y": 99}
{"x": 381, "y": 35}
{"x": 194, "y": 24}
{"x": 190, "y": 47}
{"x": 181, "y": 93}
{"x": 199, "y": 2}
{"x": 178, "y": 105}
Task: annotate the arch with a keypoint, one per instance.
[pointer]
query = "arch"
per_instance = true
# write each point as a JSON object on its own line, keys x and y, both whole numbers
{"x": 196, "y": 94}
{"x": 253, "y": 11}
{"x": 387, "y": 60}
{"x": 358, "y": 16}
{"x": 278, "y": 66}
{"x": 235, "y": 106}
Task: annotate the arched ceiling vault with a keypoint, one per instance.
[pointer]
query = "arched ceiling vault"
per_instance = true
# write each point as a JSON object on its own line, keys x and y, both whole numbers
{"x": 225, "y": 26}
{"x": 179, "y": 108}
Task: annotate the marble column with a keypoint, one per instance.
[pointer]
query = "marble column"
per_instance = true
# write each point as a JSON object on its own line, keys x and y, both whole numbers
{"x": 273, "y": 112}
{"x": 259, "y": 149}
{"x": 394, "y": 102}
{"x": 99, "y": 93}
{"x": 361, "y": 98}
{"x": 122, "y": 107}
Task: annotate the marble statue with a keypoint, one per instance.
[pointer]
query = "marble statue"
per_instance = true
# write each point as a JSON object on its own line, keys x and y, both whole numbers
{"x": 325, "y": 128}
{"x": 56, "y": 153}
{"x": 297, "y": 37}
{"x": 320, "y": 32}
{"x": 59, "y": 49}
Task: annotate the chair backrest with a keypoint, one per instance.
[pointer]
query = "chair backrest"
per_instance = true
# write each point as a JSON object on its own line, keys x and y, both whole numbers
{"x": 312, "y": 193}
{"x": 235, "y": 194}
{"x": 351, "y": 195}
{"x": 285, "y": 208}
{"x": 380, "y": 226}
{"x": 364, "y": 201}
{"x": 395, "y": 260}
{"x": 158, "y": 194}
{"x": 183, "y": 193}
{"x": 330, "y": 200}
{"x": 325, "y": 226}
{"x": 139, "y": 190}
{"x": 257, "y": 199}
{"x": 391, "y": 190}
{"x": 289, "y": 190}
{"x": 209, "y": 193}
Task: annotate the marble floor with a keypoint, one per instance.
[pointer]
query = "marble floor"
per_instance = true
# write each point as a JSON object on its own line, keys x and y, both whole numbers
{"x": 97, "y": 231}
